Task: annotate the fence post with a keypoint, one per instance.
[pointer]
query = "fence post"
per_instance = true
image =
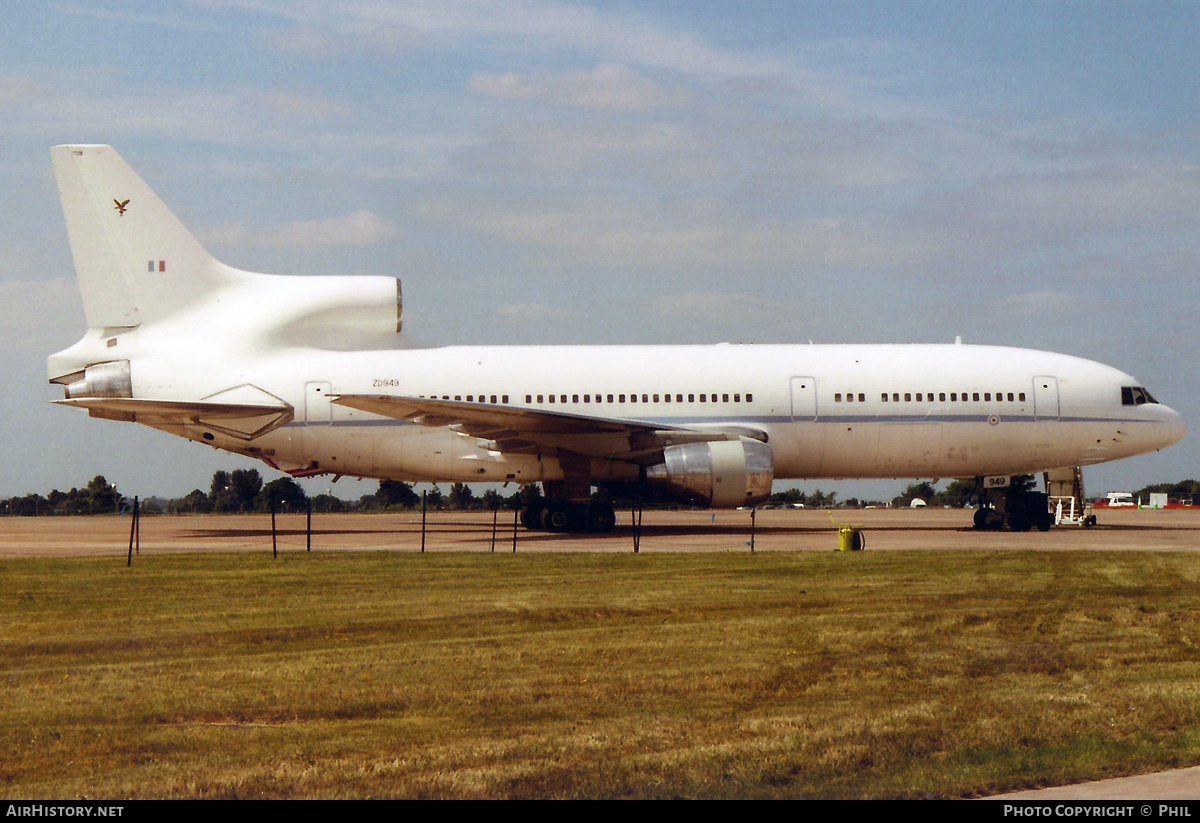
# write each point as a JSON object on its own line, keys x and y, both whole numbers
{"x": 133, "y": 531}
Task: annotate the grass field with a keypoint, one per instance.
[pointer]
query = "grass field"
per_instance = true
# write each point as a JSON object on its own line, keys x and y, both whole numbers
{"x": 892, "y": 674}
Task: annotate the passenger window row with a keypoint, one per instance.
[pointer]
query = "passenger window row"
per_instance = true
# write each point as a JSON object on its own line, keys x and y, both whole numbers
{"x": 929, "y": 397}
{"x": 723, "y": 397}
{"x": 470, "y": 398}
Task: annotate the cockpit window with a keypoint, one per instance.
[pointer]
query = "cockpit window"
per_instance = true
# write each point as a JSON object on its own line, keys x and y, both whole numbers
{"x": 1136, "y": 396}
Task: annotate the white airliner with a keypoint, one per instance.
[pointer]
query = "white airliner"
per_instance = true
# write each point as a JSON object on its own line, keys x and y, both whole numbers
{"x": 312, "y": 375}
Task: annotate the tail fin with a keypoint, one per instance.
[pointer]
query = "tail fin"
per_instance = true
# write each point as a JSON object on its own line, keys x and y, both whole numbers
{"x": 136, "y": 262}
{"x": 138, "y": 265}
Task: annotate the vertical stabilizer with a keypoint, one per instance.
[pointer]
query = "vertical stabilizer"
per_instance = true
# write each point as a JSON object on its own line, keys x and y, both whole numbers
{"x": 135, "y": 261}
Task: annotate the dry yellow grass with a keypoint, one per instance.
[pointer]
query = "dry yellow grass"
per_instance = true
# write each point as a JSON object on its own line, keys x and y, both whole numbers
{"x": 721, "y": 674}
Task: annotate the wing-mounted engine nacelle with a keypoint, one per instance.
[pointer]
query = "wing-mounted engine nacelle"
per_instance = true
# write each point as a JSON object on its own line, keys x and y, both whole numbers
{"x": 723, "y": 474}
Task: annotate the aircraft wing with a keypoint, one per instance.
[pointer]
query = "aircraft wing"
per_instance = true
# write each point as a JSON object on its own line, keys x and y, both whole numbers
{"x": 522, "y": 430}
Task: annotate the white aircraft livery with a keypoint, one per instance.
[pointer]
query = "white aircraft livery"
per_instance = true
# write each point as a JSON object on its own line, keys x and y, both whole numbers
{"x": 312, "y": 375}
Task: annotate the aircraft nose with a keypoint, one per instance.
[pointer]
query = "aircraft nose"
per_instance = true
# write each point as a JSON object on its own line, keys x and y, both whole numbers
{"x": 1171, "y": 427}
{"x": 1174, "y": 429}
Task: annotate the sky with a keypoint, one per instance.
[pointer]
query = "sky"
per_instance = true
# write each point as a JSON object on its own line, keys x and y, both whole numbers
{"x": 1022, "y": 174}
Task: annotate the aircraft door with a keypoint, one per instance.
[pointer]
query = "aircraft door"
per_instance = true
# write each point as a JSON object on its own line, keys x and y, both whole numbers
{"x": 1045, "y": 397}
{"x": 804, "y": 398}
{"x": 318, "y": 411}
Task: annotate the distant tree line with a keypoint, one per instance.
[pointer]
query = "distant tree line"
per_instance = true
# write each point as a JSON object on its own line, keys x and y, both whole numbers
{"x": 98, "y": 497}
{"x": 1185, "y": 490}
{"x": 243, "y": 491}
{"x": 955, "y": 494}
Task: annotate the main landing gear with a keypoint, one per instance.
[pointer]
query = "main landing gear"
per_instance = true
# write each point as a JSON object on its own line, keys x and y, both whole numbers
{"x": 596, "y": 516}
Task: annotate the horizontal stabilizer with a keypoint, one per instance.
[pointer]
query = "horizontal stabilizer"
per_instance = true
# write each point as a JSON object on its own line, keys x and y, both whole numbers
{"x": 245, "y": 421}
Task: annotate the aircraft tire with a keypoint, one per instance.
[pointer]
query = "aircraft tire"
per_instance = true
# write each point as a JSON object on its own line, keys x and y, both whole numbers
{"x": 602, "y": 519}
{"x": 556, "y": 518}
{"x": 531, "y": 518}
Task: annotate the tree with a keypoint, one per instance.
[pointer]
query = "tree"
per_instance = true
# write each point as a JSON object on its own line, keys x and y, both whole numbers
{"x": 921, "y": 490}
{"x": 395, "y": 493}
{"x": 526, "y": 496}
{"x": 788, "y": 498}
{"x": 101, "y": 495}
{"x": 326, "y": 503}
{"x": 195, "y": 501}
{"x": 244, "y": 486}
{"x": 461, "y": 496}
{"x": 957, "y": 494}
{"x": 284, "y": 494}
{"x": 219, "y": 494}
{"x": 434, "y": 498}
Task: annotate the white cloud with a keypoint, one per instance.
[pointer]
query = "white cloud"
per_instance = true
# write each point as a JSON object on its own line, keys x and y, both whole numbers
{"x": 297, "y": 104}
{"x": 353, "y": 36}
{"x": 609, "y": 86}
{"x": 1045, "y": 303}
{"x": 613, "y": 35}
{"x": 17, "y": 90}
{"x": 1107, "y": 198}
{"x": 362, "y": 228}
{"x": 713, "y": 306}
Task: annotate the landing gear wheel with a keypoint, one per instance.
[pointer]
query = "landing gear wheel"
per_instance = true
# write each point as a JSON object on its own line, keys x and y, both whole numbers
{"x": 531, "y": 518}
{"x": 556, "y": 518}
{"x": 601, "y": 518}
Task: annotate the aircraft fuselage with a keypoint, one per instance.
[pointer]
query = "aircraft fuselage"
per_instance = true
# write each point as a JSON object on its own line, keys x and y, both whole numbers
{"x": 828, "y": 411}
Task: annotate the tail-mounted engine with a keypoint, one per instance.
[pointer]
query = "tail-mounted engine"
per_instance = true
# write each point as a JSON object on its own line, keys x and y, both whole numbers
{"x": 723, "y": 474}
{"x": 102, "y": 380}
